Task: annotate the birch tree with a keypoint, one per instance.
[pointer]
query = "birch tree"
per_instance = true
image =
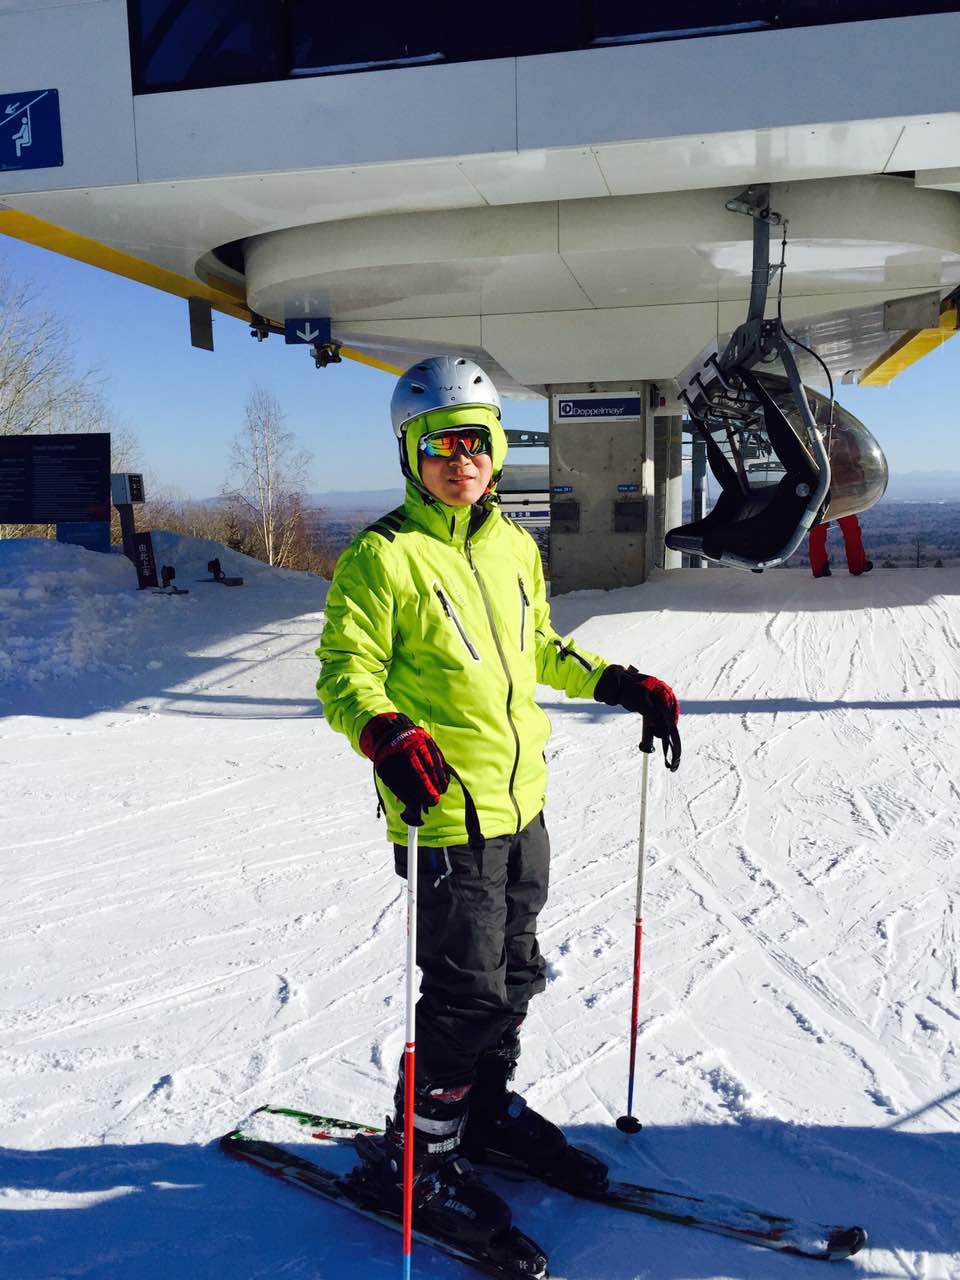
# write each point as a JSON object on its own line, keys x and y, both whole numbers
{"x": 268, "y": 478}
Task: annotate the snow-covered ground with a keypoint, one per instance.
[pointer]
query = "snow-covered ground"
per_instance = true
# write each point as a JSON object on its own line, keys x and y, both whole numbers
{"x": 198, "y": 914}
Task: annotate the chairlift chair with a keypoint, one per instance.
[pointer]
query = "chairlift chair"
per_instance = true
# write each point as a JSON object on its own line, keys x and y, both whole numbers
{"x": 764, "y": 445}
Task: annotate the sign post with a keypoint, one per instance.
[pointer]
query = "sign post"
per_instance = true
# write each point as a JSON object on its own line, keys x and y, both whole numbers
{"x": 126, "y": 488}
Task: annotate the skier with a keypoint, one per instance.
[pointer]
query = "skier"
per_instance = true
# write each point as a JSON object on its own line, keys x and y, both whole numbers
{"x": 437, "y": 632}
{"x": 857, "y": 561}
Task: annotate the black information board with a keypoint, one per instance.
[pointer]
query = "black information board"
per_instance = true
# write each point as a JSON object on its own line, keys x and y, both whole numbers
{"x": 55, "y": 479}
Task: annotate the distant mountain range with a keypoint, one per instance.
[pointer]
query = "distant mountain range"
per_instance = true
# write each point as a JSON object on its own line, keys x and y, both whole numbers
{"x": 378, "y": 500}
{"x": 907, "y": 486}
{"x": 924, "y": 486}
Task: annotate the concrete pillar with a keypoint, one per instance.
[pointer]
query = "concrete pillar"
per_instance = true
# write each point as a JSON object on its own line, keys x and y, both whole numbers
{"x": 668, "y": 485}
{"x": 601, "y": 485}
{"x": 698, "y": 490}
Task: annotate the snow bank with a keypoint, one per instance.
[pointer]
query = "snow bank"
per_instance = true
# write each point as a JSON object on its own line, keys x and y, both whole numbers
{"x": 190, "y": 557}
{"x": 63, "y": 609}
{"x": 67, "y": 612}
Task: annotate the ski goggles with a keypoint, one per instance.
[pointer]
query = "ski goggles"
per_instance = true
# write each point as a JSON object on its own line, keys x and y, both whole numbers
{"x": 444, "y": 444}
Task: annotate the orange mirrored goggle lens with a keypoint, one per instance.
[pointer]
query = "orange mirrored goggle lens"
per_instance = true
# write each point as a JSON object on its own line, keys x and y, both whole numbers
{"x": 444, "y": 444}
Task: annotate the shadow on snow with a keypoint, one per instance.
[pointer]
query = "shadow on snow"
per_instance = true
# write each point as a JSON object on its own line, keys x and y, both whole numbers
{"x": 157, "y": 1210}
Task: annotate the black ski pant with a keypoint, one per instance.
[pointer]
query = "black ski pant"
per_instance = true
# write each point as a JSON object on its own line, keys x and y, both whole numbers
{"x": 476, "y": 946}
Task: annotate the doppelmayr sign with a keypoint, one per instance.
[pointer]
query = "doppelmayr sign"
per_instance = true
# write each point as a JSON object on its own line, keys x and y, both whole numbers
{"x": 597, "y": 406}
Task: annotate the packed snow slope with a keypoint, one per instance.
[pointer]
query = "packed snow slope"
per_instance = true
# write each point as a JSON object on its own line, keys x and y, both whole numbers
{"x": 199, "y": 915}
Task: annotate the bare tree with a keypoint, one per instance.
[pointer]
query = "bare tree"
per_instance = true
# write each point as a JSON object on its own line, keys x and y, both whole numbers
{"x": 40, "y": 389}
{"x": 268, "y": 479}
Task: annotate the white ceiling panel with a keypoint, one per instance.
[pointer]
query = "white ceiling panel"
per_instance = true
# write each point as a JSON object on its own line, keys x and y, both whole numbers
{"x": 431, "y": 289}
{"x": 173, "y": 223}
{"x": 535, "y": 175}
{"x": 938, "y": 179}
{"x": 644, "y": 277}
{"x": 585, "y": 346}
{"x": 761, "y": 155}
{"x": 400, "y": 341}
{"x": 927, "y": 144}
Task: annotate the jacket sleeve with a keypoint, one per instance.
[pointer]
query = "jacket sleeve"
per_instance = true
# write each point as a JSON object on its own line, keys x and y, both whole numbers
{"x": 357, "y": 641}
{"x": 560, "y": 663}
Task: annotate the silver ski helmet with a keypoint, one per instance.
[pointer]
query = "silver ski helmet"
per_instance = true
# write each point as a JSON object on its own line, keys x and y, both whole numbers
{"x": 441, "y": 382}
{"x": 449, "y": 387}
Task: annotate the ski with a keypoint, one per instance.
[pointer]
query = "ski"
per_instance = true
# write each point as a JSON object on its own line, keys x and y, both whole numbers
{"x": 507, "y": 1263}
{"x": 716, "y": 1214}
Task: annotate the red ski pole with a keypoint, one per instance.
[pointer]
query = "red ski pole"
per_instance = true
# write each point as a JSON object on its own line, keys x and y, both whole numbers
{"x": 410, "y": 1047}
{"x": 629, "y": 1123}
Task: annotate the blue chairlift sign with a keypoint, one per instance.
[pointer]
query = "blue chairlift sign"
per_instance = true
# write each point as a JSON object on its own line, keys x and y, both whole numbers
{"x": 307, "y": 330}
{"x": 30, "y": 135}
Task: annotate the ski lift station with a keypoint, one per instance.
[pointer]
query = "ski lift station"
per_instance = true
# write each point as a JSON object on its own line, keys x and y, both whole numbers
{"x": 659, "y": 223}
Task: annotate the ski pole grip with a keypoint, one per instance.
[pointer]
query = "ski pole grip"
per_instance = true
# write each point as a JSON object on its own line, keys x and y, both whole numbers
{"x": 647, "y": 741}
{"x": 412, "y": 816}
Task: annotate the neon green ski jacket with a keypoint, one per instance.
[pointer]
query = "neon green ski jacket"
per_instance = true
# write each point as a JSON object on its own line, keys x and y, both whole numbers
{"x": 440, "y": 613}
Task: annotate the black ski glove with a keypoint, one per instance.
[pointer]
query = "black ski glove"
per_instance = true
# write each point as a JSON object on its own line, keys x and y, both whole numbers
{"x": 408, "y": 760}
{"x": 649, "y": 697}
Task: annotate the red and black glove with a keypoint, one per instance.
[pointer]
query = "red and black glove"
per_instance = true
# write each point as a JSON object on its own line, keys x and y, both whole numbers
{"x": 408, "y": 761}
{"x": 648, "y": 697}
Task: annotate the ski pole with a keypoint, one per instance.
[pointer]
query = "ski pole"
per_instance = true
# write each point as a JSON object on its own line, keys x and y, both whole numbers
{"x": 410, "y": 1046}
{"x": 629, "y": 1123}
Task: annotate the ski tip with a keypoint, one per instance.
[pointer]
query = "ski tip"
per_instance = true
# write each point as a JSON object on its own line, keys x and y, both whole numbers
{"x": 844, "y": 1242}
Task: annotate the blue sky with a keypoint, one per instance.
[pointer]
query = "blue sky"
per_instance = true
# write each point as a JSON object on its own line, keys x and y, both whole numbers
{"x": 185, "y": 406}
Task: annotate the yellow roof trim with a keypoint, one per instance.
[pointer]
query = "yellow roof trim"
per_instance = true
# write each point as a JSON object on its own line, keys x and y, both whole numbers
{"x": 69, "y": 244}
{"x": 223, "y": 295}
{"x": 362, "y": 358}
{"x": 910, "y": 348}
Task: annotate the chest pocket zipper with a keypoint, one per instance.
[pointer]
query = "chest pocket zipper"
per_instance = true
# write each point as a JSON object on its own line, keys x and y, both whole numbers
{"x": 454, "y": 617}
{"x": 524, "y": 606}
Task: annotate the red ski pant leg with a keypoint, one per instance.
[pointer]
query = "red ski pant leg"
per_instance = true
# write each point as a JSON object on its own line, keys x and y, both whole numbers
{"x": 853, "y": 543}
{"x": 818, "y": 550}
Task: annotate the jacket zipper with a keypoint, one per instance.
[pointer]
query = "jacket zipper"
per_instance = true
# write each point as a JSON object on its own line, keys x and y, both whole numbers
{"x": 454, "y": 617}
{"x": 524, "y": 605}
{"x": 568, "y": 651}
{"x": 506, "y": 672}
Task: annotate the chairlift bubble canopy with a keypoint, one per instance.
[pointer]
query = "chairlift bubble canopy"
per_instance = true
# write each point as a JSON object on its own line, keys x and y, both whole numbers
{"x": 858, "y": 466}
{"x": 761, "y": 452}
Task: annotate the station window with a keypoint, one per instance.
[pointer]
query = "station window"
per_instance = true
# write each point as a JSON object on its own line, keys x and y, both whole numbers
{"x": 194, "y": 44}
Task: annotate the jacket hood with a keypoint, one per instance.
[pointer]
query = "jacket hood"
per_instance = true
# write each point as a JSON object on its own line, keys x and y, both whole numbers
{"x": 456, "y": 419}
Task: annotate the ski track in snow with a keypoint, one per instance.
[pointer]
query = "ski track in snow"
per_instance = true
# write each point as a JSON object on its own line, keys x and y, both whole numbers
{"x": 200, "y": 914}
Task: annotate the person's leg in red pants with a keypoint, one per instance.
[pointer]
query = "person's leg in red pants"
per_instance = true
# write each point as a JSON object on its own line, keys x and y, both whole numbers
{"x": 819, "y": 564}
{"x": 857, "y": 561}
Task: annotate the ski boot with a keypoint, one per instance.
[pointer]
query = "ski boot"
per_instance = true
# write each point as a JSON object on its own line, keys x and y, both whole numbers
{"x": 504, "y": 1132}
{"x": 450, "y": 1200}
